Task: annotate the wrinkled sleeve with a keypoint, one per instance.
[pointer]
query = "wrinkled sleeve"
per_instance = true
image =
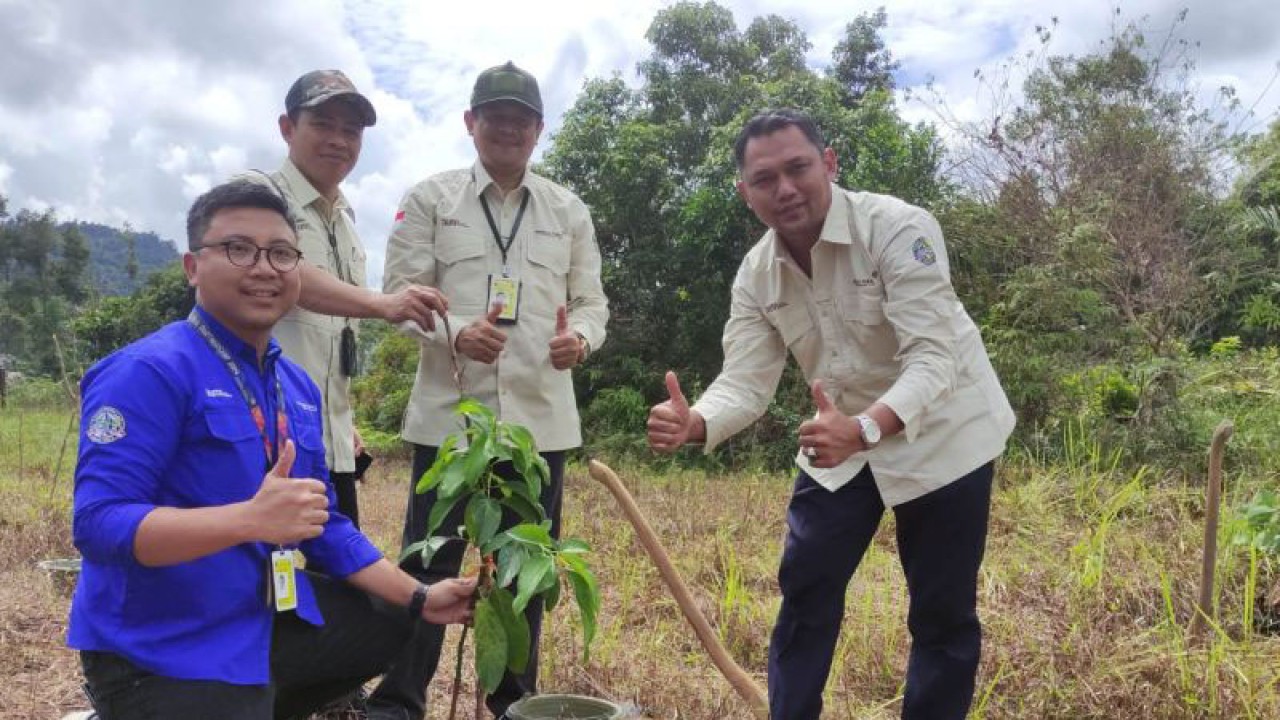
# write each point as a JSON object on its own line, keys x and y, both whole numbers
{"x": 754, "y": 357}
{"x": 131, "y": 421}
{"x": 920, "y": 303}
{"x": 587, "y": 305}
{"x": 411, "y": 256}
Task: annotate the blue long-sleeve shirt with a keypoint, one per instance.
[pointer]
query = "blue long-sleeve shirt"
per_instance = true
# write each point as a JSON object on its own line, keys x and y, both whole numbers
{"x": 163, "y": 424}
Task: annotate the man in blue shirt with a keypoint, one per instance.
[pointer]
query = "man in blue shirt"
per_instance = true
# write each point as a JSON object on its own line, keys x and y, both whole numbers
{"x": 201, "y": 493}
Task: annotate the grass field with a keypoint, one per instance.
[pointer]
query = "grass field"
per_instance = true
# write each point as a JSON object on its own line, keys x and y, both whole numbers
{"x": 1086, "y": 593}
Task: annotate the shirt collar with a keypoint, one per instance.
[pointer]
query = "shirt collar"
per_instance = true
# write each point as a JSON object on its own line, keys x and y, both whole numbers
{"x": 237, "y": 347}
{"x": 304, "y": 193}
{"x": 835, "y": 228}
{"x": 481, "y": 177}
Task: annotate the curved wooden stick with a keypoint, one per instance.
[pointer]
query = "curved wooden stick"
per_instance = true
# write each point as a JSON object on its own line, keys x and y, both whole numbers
{"x": 737, "y": 677}
{"x": 1213, "y": 502}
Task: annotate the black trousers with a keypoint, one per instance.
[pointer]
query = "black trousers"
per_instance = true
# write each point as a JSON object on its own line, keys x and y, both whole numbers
{"x": 344, "y": 487}
{"x": 941, "y": 539}
{"x": 402, "y": 694}
{"x": 310, "y": 666}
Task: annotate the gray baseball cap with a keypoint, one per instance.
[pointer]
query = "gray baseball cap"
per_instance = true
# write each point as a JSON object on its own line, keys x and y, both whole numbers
{"x": 320, "y": 86}
{"x": 507, "y": 82}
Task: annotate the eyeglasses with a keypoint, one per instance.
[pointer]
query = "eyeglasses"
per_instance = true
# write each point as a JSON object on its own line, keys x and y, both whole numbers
{"x": 245, "y": 254}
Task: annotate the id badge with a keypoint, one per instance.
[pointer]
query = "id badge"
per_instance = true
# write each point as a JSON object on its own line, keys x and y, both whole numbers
{"x": 505, "y": 290}
{"x": 283, "y": 580}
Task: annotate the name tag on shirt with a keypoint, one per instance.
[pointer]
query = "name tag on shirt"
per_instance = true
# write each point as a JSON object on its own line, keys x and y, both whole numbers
{"x": 283, "y": 581}
{"x": 505, "y": 290}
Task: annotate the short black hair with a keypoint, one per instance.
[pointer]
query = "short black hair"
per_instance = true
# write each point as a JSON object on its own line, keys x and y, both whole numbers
{"x": 771, "y": 121}
{"x": 234, "y": 194}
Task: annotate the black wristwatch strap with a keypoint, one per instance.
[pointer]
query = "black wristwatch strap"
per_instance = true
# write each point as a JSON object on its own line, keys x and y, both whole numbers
{"x": 417, "y": 601}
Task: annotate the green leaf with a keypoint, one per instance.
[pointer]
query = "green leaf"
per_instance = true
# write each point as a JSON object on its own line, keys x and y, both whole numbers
{"x": 535, "y": 568}
{"x": 587, "y": 593}
{"x": 482, "y": 517}
{"x": 510, "y": 559}
{"x": 431, "y": 477}
{"x": 496, "y": 543}
{"x": 517, "y": 630}
{"x": 573, "y": 545}
{"x": 516, "y": 497}
{"x": 551, "y": 596}
{"x": 428, "y": 548}
{"x": 491, "y": 645}
{"x": 453, "y": 478}
{"x": 439, "y": 511}
{"x": 532, "y": 534}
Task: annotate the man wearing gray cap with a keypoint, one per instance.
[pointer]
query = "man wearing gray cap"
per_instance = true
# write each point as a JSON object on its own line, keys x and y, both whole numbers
{"x": 517, "y": 256}
{"x": 323, "y": 126}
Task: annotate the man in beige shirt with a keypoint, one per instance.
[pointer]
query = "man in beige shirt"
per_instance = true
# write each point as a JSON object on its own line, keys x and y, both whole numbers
{"x": 910, "y": 414}
{"x": 323, "y": 126}
{"x": 517, "y": 256}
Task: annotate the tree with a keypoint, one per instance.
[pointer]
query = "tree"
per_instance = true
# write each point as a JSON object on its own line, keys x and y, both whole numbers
{"x": 862, "y": 62}
{"x": 655, "y": 165}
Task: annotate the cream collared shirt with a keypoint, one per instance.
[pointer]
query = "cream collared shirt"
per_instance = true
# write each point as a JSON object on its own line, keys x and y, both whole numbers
{"x": 441, "y": 238}
{"x": 879, "y": 321}
{"x": 310, "y": 339}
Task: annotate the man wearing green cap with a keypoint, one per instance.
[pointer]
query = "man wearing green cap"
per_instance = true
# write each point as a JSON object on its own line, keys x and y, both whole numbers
{"x": 517, "y": 256}
{"x": 323, "y": 126}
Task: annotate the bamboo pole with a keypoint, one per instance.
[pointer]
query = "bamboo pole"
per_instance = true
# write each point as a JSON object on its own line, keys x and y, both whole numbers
{"x": 1213, "y": 505}
{"x": 742, "y": 683}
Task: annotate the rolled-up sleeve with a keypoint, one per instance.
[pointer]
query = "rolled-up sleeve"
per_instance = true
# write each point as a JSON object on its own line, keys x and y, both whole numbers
{"x": 128, "y": 412}
{"x": 920, "y": 304}
{"x": 754, "y": 357}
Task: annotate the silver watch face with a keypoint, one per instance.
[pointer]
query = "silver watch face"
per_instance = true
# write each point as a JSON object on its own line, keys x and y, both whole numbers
{"x": 870, "y": 430}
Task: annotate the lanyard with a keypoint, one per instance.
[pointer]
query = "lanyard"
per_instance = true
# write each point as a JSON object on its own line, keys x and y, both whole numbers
{"x": 255, "y": 410}
{"x": 515, "y": 227}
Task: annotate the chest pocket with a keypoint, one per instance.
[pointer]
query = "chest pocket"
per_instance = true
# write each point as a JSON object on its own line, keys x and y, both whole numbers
{"x": 236, "y": 451}
{"x": 874, "y": 342}
{"x": 308, "y": 435}
{"x": 793, "y": 323}
{"x": 454, "y": 246}
{"x": 550, "y": 253}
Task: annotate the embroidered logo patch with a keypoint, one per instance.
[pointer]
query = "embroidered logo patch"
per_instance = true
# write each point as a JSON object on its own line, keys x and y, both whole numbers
{"x": 106, "y": 426}
{"x": 308, "y": 406}
{"x": 923, "y": 252}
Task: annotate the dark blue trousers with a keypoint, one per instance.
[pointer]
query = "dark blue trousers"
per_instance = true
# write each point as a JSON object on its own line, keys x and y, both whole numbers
{"x": 941, "y": 537}
{"x": 402, "y": 694}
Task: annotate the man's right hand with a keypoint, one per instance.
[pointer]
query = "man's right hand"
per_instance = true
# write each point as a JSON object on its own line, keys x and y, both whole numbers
{"x": 418, "y": 303}
{"x": 672, "y": 423}
{"x": 482, "y": 341}
{"x": 288, "y": 510}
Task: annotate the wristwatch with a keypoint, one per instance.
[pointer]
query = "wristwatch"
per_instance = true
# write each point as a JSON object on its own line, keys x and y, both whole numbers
{"x": 418, "y": 599}
{"x": 584, "y": 347}
{"x": 870, "y": 431}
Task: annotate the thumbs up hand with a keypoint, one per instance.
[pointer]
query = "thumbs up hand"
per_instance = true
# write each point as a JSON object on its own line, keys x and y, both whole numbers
{"x": 831, "y": 437}
{"x": 287, "y": 510}
{"x": 482, "y": 341}
{"x": 566, "y": 347}
{"x": 672, "y": 423}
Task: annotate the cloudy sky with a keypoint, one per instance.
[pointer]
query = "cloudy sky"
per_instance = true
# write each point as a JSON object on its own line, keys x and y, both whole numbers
{"x": 126, "y": 110}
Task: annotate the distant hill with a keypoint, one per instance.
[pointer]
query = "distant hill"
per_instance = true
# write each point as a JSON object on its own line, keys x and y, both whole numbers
{"x": 109, "y": 257}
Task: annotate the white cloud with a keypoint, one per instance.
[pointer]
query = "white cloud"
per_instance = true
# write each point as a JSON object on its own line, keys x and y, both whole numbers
{"x": 127, "y": 109}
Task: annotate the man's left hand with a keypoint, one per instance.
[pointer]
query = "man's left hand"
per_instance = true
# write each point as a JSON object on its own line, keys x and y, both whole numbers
{"x": 566, "y": 346}
{"x": 830, "y": 438}
{"x": 416, "y": 303}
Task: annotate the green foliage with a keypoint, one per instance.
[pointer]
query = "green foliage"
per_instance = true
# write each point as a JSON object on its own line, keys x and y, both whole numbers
{"x": 390, "y": 363}
{"x": 528, "y": 560}
{"x": 1261, "y": 528}
{"x": 113, "y": 322}
{"x": 38, "y": 393}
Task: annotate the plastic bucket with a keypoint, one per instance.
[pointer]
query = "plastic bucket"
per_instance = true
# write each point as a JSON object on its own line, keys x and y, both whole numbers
{"x": 563, "y": 707}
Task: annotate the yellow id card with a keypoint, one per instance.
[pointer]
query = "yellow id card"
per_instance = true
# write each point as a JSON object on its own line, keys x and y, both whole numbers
{"x": 283, "y": 580}
{"x": 505, "y": 290}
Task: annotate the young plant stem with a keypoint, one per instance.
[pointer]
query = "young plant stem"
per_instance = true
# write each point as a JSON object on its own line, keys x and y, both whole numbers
{"x": 484, "y": 585}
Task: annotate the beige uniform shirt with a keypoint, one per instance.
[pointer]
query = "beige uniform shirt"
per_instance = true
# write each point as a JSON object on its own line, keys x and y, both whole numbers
{"x": 310, "y": 339}
{"x": 442, "y": 239}
{"x": 879, "y": 321}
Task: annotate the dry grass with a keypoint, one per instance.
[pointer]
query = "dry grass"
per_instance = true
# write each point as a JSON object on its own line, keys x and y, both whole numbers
{"x": 1087, "y": 592}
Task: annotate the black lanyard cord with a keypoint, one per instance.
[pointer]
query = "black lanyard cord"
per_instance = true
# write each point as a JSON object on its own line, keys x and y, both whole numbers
{"x": 515, "y": 226}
